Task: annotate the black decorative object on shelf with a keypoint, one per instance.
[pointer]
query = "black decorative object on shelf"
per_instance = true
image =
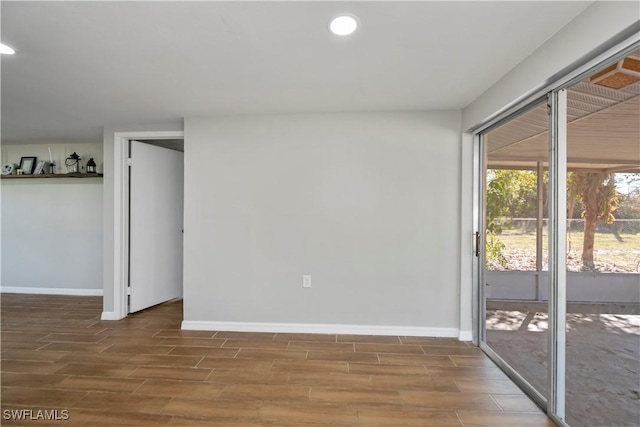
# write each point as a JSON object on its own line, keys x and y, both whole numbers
{"x": 91, "y": 166}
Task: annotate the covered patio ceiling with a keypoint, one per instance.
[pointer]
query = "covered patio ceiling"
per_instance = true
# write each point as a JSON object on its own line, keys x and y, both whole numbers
{"x": 603, "y": 131}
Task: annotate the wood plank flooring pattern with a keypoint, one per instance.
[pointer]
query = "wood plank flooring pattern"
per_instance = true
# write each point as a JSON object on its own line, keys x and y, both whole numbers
{"x": 145, "y": 371}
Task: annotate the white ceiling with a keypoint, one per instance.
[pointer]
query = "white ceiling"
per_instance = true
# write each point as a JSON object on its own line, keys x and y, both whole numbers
{"x": 83, "y": 65}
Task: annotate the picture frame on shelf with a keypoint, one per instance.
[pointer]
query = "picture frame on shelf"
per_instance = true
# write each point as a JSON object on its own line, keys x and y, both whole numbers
{"x": 40, "y": 167}
{"x": 27, "y": 164}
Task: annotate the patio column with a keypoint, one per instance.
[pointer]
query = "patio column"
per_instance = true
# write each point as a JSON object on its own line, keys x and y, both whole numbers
{"x": 539, "y": 228}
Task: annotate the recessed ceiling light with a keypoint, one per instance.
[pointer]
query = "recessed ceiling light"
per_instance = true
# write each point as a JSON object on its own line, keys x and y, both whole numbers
{"x": 343, "y": 25}
{"x": 6, "y": 50}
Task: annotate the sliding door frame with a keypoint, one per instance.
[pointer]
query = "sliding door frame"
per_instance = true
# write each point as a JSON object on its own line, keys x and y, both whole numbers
{"x": 555, "y": 92}
{"x": 479, "y": 270}
{"x": 556, "y": 362}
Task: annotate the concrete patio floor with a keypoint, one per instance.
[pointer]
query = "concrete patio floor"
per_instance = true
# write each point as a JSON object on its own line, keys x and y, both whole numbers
{"x": 603, "y": 356}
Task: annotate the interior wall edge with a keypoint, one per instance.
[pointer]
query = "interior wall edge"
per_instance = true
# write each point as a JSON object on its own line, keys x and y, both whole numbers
{"x": 465, "y": 335}
{"x": 109, "y": 315}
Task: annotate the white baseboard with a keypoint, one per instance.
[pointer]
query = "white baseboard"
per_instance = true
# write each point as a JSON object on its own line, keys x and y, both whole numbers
{"x": 51, "y": 291}
{"x": 110, "y": 315}
{"x": 412, "y": 331}
{"x": 465, "y": 336}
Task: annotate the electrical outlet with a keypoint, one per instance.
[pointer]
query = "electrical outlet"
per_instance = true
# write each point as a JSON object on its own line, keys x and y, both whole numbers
{"x": 306, "y": 281}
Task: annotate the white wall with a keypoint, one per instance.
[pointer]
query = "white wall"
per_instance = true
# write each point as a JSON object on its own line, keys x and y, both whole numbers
{"x": 365, "y": 203}
{"x": 52, "y": 236}
{"x": 52, "y": 228}
{"x": 599, "y": 23}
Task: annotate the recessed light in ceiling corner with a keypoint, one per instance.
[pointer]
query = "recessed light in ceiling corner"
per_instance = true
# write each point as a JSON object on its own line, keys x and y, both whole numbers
{"x": 343, "y": 25}
{"x": 6, "y": 50}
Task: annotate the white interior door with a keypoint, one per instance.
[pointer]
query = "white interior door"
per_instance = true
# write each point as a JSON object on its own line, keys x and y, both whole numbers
{"x": 155, "y": 225}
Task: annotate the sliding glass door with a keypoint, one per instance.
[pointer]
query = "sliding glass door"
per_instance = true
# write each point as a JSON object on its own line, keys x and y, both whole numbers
{"x": 559, "y": 246}
{"x": 603, "y": 247}
{"x": 515, "y": 233}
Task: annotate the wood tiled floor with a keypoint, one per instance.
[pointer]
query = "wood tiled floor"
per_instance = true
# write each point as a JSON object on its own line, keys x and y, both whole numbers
{"x": 145, "y": 371}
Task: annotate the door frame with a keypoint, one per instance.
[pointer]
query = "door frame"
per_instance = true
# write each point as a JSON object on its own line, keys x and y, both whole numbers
{"x": 479, "y": 281}
{"x": 554, "y": 91}
{"x": 121, "y": 212}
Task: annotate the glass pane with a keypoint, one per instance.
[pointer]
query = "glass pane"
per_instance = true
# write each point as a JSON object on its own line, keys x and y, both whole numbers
{"x": 603, "y": 259}
{"x": 516, "y": 237}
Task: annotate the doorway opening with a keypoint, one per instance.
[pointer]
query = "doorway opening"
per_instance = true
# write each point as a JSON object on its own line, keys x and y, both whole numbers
{"x": 155, "y": 174}
{"x": 156, "y": 206}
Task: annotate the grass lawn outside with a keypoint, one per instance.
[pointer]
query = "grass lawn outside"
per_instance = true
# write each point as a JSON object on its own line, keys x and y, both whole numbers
{"x": 610, "y": 254}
